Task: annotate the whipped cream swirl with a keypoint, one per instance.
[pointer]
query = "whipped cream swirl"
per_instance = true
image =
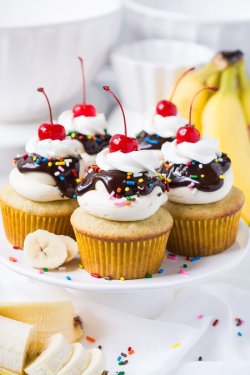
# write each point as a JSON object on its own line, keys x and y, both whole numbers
{"x": 165, "y": 127}
{"x": 203, "y": 151}
{"x": 54, "y": 148}
{"x": 135, "y": 162}
{"x": 83, "y": 124}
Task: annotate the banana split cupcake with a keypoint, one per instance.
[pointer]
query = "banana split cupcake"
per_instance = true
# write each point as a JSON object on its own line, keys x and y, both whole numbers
{"x": 120, "y": 228}
{"x": 202, "y": 200}
{"x": 160, "y": 124}
{"x": 89, "y": 128}
{"x": 41, "y": 189}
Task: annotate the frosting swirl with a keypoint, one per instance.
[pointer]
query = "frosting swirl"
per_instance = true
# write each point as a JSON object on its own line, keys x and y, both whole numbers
{"x": 136, "y": 161}
{"x": 83, "y": 124}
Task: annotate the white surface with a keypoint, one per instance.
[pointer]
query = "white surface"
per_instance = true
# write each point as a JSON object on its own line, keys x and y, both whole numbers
{"x": 224, "y": 298}
{"x": 151, "y": 67}
{"x": 223, "y": 24}
{"x": 203, "y": 269}
{"x": 44, "y": 53}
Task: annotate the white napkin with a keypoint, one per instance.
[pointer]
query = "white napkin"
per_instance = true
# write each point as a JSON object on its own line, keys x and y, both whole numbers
{"x": 186, "y": 323}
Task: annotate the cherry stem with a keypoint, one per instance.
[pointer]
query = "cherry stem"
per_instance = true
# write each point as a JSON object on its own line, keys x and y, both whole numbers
{"x": 178, "y": 81}
{"x": 106, "y": 88}
{"x": 194, "y": 97}
{"x": 83, "y": 80}
{"x": 41, "y": 89}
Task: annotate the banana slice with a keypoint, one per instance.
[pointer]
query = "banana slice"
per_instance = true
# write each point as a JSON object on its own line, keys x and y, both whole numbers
{"x": 49, "y": 318}
{"x": 97, "y": 362}
{"x": 43, "y": 249}
{"x": 53, "y": 358}
{"x": 71, "y": 245}
{"x": 78, "y": 362}
{"x": 15, "y": 341}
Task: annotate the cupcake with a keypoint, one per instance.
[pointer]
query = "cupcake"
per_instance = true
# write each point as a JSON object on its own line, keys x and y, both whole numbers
{"x": 41, "y": 189}
{"x": 160, "y": 124}
{"x": 120, "y": 226}
{"x": 202, "y": 200}
{"x": 89, "y": 128}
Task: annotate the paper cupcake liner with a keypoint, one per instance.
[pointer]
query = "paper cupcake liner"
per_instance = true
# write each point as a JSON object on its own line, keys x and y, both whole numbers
{"x": 18, "y": 224}
{"x": 130, "y": 260}
{"x": 203, "y": 237}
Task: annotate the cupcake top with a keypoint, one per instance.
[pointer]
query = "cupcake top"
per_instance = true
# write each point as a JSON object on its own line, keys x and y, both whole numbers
{"x": 123, "y": 186}
{"x": 197, "y": 172}
{"x": 50, "y": 168}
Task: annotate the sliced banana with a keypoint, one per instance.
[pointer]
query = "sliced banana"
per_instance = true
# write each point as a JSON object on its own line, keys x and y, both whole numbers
{"x": 48, "y": 317}
{"x": 71, "y": 245}
{"x": 78, "y": 362}
{"x": 43, "y": 249}
{"x": 97, "y": 362}
{"x": 15, "y": 341}
{"x": 57, "y": 353}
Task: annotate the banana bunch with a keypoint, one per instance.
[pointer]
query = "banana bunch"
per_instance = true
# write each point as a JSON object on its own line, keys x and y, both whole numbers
{"x": 225, "y": 114}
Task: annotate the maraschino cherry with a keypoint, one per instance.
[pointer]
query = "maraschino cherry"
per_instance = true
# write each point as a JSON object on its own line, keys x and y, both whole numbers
{"x": 50, "y": 131}
{"x": 120, "y": 142}
{"x": 83, "y": 109}
{"x": 189, "y": 133}
{"x": 167, "y": 108}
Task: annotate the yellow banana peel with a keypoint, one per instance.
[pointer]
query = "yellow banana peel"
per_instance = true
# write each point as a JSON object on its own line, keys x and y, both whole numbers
{"x": 244, "y": 90}
{"x": 223, "y": 118}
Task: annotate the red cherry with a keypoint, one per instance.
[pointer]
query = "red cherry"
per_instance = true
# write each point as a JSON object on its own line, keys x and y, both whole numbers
{"x": 120, "y": 142}
{"x": 50, "y": 131}
{"x": 83, "y": 109}
{"x": 87, "y": 110}
{"x": 187, "y": 134}
{"x": 165, "y": 108}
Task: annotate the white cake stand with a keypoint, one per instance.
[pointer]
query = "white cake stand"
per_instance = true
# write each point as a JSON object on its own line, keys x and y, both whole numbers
{"x": 119, "y": 294}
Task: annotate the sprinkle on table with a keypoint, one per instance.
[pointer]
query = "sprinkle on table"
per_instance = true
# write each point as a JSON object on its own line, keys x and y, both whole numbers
{"x": 68, "y": 278}
{"x": 40, "y": 272}
{"x": 16, "y": 247}
{"x": 184, "y": 272}
{"x": 215, "y": 322}
{"x": 200, "y": 316}
{"x": 45, "y": 270}
{"x": 195, "y": 259}
{"x": 12, "y": 259}
{"x": 95, "y": 275}
{"x": 239, "y": 334}
{"x": 161, "y": 270}
{"x": 90, "y": 339}
{"x": 175, "y": 345}
{"x": 122, "y": 278}
{"x": 172, "y": 256}
{"x": 238, "y": 322}
{"x": 149, "y": 276}
{"x": 80, "y": 266}
{"x": 200, "y": 358}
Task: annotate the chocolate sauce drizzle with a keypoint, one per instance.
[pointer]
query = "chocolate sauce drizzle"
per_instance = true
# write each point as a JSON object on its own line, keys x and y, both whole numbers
{"x": 151, "y": 141}
{"x": 205, "y": 177}
{"x": 65, "y": 171}
{"x": 121, "y": 184}
{"x": 92, "y": 144}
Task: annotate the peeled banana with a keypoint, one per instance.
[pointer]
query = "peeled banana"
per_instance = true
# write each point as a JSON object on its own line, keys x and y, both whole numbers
{"x": 16, "y": 338}
{"x": 223, "y": 118}
{"x": 55, "y": 356}
{"x": 78, "y": 363}
{"x": 48, "y": 317}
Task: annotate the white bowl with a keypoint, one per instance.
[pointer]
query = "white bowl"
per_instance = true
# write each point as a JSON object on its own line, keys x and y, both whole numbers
{"x": 146, "y": 70}
{"x": 223, "y": 24}
{"x": 39, "y": 44}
